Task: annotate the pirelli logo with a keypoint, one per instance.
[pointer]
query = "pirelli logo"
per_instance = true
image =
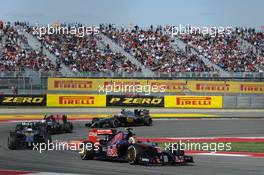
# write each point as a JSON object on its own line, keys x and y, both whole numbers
{"x": 73, "y": 84}
{"x": 176, "y": 86}
{"x": 76, "y": 100}
{"x": 121, "y": 83}
{"x": 221, "y": 87}
{"x": 193, "y": 101}
{"x": 252, "y": 88}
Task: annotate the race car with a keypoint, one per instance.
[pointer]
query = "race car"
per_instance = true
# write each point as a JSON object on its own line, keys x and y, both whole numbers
{"x": 57, "y": 124}
{"x": 125, "y": 118}
{"x": 109, "y": 144}
{"x": 27, "y": 134}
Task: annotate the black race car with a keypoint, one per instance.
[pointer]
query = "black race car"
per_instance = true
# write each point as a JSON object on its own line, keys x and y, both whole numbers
{"x": 125, "y": 118}
{"x": 109, "y": 144}
{"x": 27, "y": 134}
{"x": 57, "y": 124}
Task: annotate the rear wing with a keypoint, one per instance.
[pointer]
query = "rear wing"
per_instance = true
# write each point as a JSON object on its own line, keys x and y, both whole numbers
{"x": 27, "y": 123}
{"x": 93, "y": 133}
{"x": 140, "y": 112}
{"x": 101, "y": 131}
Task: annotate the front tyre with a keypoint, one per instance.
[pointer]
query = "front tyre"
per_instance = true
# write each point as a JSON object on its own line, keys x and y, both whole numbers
{"x": 133, "y": 154}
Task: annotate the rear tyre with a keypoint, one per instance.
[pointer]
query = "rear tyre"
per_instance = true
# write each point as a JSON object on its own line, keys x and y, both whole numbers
{"x": 115, "y": 123}
{"x": 87, "y": 154}
{"x": 133, "y": 154}
{"x": 11, "y": 141}
{"x": 68, "y": 127}
{"x": 148, "y": 122}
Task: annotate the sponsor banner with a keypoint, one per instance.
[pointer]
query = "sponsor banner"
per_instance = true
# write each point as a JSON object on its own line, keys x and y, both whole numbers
{"x": 75, "y": 84}
{"x": 76, "y": 100}
{"x": 193, "y": 101}
{"x": 209, "y": 86}
{"x": 92, "y": 85}
{"x": 226, "y": 86}
{"x": 171, "y": 85}
{"x": 22, "y": 100}
{"x": 159, "y": 85}
{"x": 138, "y": 101}
{"x": 86, "y": 84}
{"x": 250, "y": 87}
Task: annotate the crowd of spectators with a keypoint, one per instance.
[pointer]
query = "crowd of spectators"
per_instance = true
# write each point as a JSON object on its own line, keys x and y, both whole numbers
{"x": 151, "y": 47}
{"x": 225, "y": 51}
{"x": 253, "y": 37}
{"x": 14, "y": 57}
{"x": 85, "y": 54}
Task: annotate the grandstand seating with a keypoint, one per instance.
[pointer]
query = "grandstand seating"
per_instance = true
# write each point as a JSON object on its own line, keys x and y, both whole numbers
{"x": 151, "y": 47}
{"x": 15, "y": 57}
{"x": 225, "y": 51}
{"x": 86, "y": 54}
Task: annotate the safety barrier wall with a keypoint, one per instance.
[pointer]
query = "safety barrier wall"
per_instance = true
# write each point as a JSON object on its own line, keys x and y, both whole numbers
{"x": 241, "y": 102}
{"x": 92, "y": 100}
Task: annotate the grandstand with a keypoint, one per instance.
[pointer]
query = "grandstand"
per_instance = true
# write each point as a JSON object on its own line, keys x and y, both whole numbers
{"x": 28, "y": 58}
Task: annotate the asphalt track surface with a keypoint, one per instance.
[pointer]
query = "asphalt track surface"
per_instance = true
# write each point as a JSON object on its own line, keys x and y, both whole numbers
{"x": 70, "y": 162}
{"x": 218, "y": 112}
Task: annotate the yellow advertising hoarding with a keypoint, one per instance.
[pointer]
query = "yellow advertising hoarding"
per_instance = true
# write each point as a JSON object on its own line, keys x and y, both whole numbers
{"x": 172, "y": 86}
{"x": 75, "y": 84}
{"x": 76, "y": 100}
{"x": 248, "y": 87}
{"x": 193, "y": 102}
{"x": 86, "y": 84}
{"x": 226, "y": 86}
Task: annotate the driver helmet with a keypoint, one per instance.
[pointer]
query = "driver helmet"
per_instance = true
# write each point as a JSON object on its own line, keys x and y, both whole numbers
{"x": 132, "y": 140}
{"x": 122, "y": 111}
{"x": 29, "y": 130}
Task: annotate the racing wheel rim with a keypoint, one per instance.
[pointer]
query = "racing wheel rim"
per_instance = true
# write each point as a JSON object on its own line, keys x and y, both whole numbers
{"x": 131, "y": 154}
{"x": 83, "y": 152}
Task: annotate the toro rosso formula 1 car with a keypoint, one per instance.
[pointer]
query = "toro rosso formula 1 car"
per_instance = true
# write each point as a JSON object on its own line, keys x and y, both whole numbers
{"x": 26, "y": 134}
{"x": 109, "y": 144}
{"x": 125, "y": 118}
{"x": 57, "y": 124}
